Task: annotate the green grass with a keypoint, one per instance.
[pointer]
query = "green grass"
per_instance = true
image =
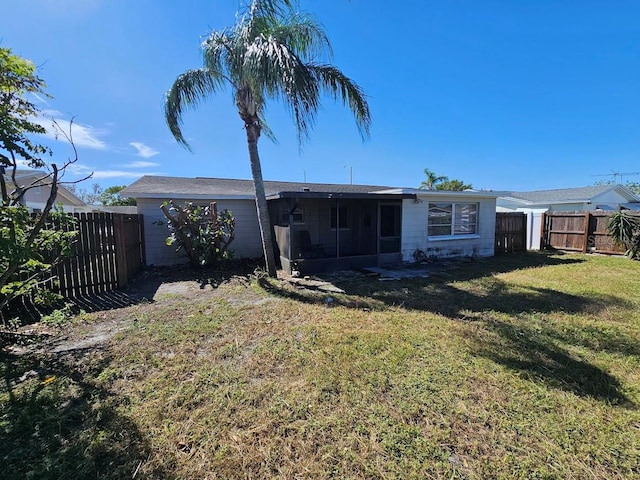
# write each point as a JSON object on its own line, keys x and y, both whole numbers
{"x": 521, "y": 366}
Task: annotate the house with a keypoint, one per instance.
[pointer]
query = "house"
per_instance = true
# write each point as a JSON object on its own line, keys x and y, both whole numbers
{"x": 36, "y": 198}
{"x": 328, "y": 226}
{"x": 534, "y": 204}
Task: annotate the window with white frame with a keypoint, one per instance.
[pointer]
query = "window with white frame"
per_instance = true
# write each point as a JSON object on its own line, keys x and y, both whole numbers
{"x": 452, "y": 219}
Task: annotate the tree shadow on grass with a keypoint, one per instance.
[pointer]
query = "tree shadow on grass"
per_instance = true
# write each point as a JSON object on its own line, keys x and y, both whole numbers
{"x": 472, "y": 292}
{"x": 56, "y": 423}
{"x": 534, "y": 354}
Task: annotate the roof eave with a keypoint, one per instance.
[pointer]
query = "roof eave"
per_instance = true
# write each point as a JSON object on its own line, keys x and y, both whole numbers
{"x": 185, "y": 196}
{"x": 341, "y": 195}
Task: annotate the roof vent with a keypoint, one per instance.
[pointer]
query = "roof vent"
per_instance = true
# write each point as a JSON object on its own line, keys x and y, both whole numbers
{"x": 306, "y": 189}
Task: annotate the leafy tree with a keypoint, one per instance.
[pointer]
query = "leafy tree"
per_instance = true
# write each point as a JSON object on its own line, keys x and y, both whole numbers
{"x": 432, "y": 180}
{"x": 89, "y": 196}
{"x": 633, "y": 187}
{"x": 271, "y": 53}
{"x": 110, "y": 196}
{"x": 202, "y": 232}
{"x": 29, "y": 245}
{"x": 453, "y": 185}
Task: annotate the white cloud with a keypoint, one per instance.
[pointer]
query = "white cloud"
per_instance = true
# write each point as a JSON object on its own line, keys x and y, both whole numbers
{"x": 84, "y": 170}
{"x": 141, "y": 164}
{"x": 144, "y": 151}
{"x": 84, "y": 136}
{"x": 119, "y": 173}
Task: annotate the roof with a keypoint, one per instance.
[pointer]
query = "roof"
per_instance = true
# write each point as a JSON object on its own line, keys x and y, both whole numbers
{"x": 567, "y": 195}
{"x": 151, "y": 186}
{"x": 33, "y": 175}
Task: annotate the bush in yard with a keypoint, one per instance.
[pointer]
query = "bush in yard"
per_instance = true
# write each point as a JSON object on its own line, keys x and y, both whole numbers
{"x": 625, "y": 229}
{"x": 27, "y": 252}
{"x": 29, "y": 244}
{"x": 202, "y": 232}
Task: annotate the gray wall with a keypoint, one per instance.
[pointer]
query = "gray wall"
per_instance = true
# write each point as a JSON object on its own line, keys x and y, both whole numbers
{"x": 247, "y": 243}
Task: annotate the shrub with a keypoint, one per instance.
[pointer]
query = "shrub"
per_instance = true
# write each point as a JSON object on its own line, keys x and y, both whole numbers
{"x": 625, "y": 229}
{"x": 202, "y": 232}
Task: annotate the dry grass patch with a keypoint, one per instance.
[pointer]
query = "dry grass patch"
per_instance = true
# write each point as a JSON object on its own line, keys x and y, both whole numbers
{"x": 522, "y": 366}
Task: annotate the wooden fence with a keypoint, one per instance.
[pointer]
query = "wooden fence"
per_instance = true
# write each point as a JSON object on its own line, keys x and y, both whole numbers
{"x": 108, "y": 249}
{"x": 579, "y": 232}
{"x": 511, "y": 232}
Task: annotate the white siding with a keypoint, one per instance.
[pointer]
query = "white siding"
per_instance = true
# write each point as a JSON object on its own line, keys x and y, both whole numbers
{"x": 247, "y": 243}
{"x": 414, "y": 230}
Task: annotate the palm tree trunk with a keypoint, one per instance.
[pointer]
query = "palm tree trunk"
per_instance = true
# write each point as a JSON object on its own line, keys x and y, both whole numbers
{"x": 264, "y": 220}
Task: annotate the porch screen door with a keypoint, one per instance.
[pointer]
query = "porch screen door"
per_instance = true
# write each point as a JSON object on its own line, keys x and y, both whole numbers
{"x": 390, "y": 222}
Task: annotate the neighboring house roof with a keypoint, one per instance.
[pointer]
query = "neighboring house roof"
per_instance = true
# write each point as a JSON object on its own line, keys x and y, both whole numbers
{"x": 27, "y": 177}
{"x": 567, "y": 195}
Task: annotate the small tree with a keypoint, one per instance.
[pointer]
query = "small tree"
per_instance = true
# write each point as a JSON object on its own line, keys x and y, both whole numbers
{"x": 202, "y": 232}
{"x": 29, "y": 245}
{"x": 453, "y": 185}
{"x": 625, "y": 229}
{"x": 432, "y": 180}
{"x": 111, "y": 197}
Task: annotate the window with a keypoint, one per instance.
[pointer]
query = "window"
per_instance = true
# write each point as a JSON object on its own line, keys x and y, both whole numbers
{"x": 450, "y": 219}
{"x": 339, "y": 215}
{"x": 297, "y": 215}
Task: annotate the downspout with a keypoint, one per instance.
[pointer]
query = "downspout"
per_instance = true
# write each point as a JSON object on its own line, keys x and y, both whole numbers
{"x": 290, "y": 252}
{"x": 337, "y": 228}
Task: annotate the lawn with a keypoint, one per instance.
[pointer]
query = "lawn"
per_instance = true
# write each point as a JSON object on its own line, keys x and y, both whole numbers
{"x": 520, "y": 366}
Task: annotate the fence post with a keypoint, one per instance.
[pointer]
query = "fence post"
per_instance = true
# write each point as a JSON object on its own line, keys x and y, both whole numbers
{"x": 121, "y": 250}
{"x": 543, "y": 231}
{"x": 585, "y": 240}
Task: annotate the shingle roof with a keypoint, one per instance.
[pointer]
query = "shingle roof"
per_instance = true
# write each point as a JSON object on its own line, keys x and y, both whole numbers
{"x": 164, "y": 187}
{"x": 580, "y": 194}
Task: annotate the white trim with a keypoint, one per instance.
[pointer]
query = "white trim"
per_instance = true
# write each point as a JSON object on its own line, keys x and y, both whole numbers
{"x": 438, "y": 193}
{"x": 453, "y": 237}
{"x": 189, "y": 196}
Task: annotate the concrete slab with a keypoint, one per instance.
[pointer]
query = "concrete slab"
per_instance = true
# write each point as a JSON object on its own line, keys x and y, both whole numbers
{"x": 398, "y": 273}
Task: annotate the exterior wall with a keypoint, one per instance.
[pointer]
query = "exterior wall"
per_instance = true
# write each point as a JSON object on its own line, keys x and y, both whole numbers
{"x": 414, "y": 230}
{"x": 568, "y": 207}
{"x": 534, "y": 226}
{"x": 610, "y": 199}
{"x": 247, "y": 243}
{"x": 36, "y": 198}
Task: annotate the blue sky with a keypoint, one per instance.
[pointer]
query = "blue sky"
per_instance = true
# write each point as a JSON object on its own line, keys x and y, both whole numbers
{"x": 505, "y": 95}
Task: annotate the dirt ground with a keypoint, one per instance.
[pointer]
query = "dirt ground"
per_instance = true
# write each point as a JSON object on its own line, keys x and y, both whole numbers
{"x": 161, "y": 286}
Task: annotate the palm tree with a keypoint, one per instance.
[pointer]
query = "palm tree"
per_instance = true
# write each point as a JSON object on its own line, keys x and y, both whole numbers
{"x": 432, "y": 180}
{"x": 270, "y": 53}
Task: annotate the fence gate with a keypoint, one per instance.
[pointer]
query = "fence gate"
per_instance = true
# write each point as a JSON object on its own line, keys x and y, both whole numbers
{"x": 511, "y": 232}
{"x": 108, "y": 250}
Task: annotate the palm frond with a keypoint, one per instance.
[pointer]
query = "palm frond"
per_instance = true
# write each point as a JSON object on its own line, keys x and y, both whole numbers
{"x": 625, "y": 230}
{"x": 303, "y": 34}
{"x": 188, "y": 91}
{"x": 342, "y": 87}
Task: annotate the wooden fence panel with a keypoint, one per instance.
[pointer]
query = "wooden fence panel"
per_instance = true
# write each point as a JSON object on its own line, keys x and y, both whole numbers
{"x": 566, "y": 231}
{"x": 579, "y": 231}
{"x": 511, "y": 232}
{"x": 107, "y": 251}
{"x": 599, "y": 240}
